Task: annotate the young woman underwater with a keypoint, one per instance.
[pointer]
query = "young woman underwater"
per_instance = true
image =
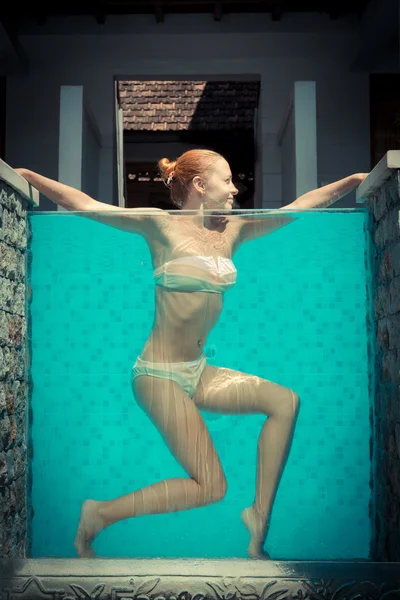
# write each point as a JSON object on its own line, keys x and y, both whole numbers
{"x": 192, "y": 260}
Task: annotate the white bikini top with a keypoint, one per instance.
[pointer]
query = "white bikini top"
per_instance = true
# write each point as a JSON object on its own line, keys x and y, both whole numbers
{"x": 207, "y": 274}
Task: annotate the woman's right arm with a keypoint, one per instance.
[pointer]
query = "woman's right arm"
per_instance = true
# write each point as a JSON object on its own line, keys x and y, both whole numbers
{"x": 134, "y": 220}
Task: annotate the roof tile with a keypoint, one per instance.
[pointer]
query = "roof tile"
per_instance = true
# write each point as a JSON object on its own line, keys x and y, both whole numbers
{"x": 178, "y": 105}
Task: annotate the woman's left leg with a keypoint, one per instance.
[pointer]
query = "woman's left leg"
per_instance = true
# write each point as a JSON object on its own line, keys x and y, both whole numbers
{"x": 231, "y": 392}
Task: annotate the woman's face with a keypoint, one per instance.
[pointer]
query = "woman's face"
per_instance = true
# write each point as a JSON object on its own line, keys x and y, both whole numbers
{"x": 219, "y": 188}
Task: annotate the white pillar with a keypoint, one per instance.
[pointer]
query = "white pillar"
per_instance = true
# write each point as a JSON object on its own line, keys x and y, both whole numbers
{"x": 305, "y": 121}
{"x": 298, "y": 140}
{"x": 71, "y": 136}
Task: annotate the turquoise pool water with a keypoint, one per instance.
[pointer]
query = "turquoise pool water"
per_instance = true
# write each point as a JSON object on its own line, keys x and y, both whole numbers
{"x": 297, "y": 316}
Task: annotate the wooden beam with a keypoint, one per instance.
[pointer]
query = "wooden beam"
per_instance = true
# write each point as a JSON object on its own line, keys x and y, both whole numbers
{"x": 218, "y": 11}
{"x": 335, "y": 9}
{"x": 191, "y": 3}
{"x": 276, "y": 10}
{"x": 159, "y": 13}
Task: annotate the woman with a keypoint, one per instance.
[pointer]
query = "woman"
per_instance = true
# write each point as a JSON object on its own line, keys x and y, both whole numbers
{"x": 191, "y": 255}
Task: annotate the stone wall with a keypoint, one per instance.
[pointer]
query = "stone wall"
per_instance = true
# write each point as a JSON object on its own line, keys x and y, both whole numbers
{"x": 14, "y": 385}
{"x": 384, "y": 204}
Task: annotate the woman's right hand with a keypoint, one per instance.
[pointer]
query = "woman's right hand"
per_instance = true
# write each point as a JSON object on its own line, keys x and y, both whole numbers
{"x": 22, "y": 172}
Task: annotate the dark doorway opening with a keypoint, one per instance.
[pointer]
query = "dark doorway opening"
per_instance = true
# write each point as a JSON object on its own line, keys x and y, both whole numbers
{"x": 384, "y": 114}
{"x": 163, "y": 119}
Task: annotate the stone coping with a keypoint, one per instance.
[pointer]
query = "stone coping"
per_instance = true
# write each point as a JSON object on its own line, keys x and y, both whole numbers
{"x": 378, "y": 175}
{"x": 191, "y": 579}
{"x": 18, "y": 183}
{"x": 190, "y": 567}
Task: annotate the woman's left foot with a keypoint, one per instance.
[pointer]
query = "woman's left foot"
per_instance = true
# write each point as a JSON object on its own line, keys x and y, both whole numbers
{"x": 90, "y": 524}
{"x": 252, "y": 521}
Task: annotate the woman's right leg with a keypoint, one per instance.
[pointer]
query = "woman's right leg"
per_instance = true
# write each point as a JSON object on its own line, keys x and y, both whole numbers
{"x": 183, "y": 429}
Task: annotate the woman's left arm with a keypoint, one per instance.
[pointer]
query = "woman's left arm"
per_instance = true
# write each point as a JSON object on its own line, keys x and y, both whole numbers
{"x": 328, "y": 194}
{"x": 254, "y": 227}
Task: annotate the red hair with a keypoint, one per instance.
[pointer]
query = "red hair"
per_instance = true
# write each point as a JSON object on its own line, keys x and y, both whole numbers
{"x": 178, "y": 174}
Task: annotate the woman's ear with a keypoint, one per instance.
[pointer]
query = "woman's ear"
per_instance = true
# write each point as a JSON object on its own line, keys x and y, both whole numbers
{"x": 198, "y": 184}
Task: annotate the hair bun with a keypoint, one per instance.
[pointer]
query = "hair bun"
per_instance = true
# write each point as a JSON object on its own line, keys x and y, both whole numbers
{"x": 166, "y": 167}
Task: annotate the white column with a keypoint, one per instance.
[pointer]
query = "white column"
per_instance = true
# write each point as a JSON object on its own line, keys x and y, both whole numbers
{"x": 305, "y": 122}
{"x": 298, "y": 140}
{"x": 71, "y": 136}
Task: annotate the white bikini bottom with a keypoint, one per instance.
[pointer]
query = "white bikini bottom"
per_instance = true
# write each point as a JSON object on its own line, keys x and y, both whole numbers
{"x": 186, "y": 374}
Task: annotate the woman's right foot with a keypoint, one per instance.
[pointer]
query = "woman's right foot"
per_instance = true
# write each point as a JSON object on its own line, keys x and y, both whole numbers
{"x": 255, "y": 526}
{"x": 90, "y": 525}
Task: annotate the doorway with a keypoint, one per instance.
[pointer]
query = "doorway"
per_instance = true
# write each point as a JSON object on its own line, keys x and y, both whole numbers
{"x": 384, "y": 114}
{"x": 166, "y": 118}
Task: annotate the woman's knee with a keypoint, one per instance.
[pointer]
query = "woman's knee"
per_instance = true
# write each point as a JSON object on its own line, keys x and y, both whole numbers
{"x": 291, "y": 405}
{"x": 286, "y": 405}
{"x": 214, "y": 491}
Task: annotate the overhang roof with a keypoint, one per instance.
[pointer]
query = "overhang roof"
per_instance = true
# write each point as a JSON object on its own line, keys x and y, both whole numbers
{"x": 160, "y": 8}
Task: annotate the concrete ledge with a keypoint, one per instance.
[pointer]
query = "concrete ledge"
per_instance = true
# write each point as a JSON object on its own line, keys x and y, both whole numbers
{"x": 18, "y": 183}
{"x": 378, "y": 175}
{"x": 191, "y": 579}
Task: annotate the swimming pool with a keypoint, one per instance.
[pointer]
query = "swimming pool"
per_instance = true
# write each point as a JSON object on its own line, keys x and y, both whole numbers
{"x": 300, "y": 315}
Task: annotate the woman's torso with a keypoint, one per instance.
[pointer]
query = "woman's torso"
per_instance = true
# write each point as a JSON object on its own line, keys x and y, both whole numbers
{"x": 186, "y": 256}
